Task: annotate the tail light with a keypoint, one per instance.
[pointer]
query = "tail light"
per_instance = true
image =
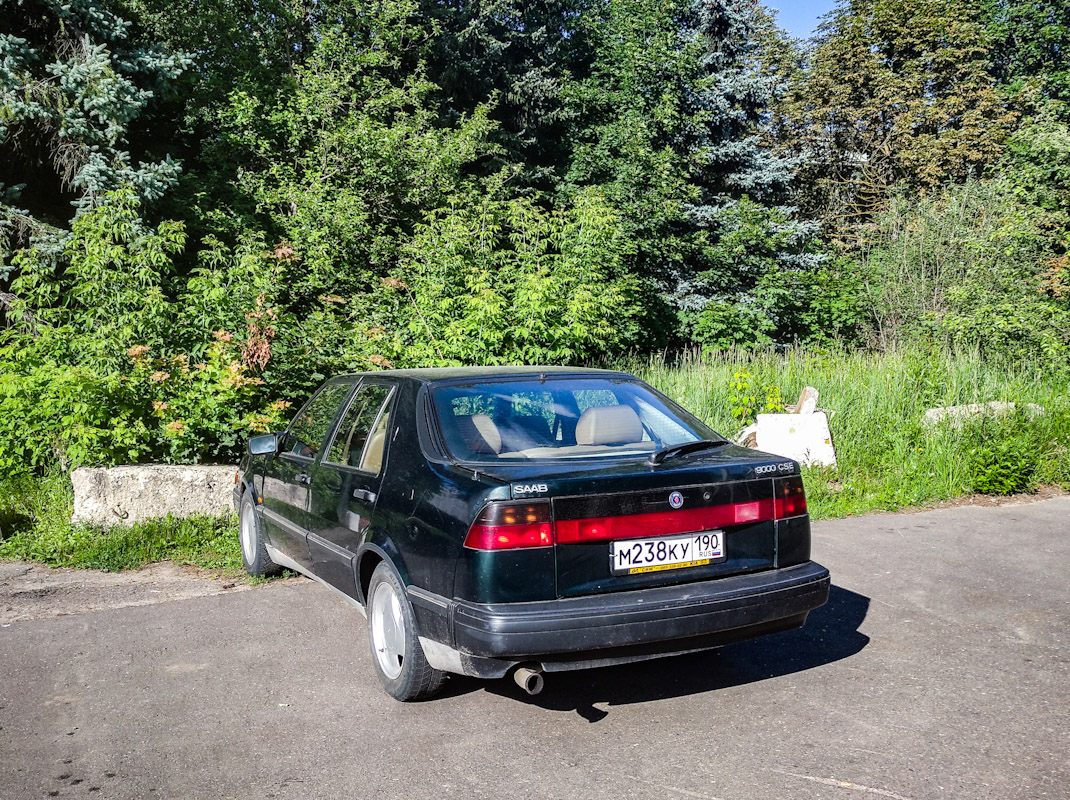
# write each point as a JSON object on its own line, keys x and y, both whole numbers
{"x": 789, "y": 497}
{"x": 506, "y": 526}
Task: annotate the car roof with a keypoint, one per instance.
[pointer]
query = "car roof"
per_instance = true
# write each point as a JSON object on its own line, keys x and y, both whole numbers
{"x": 436, "y": 374}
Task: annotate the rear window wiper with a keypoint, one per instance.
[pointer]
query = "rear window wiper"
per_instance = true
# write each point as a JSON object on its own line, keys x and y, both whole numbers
{"x": 685, "y": 448}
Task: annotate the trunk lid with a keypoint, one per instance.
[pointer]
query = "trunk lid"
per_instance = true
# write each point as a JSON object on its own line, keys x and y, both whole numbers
{"x": 729, "y": 490}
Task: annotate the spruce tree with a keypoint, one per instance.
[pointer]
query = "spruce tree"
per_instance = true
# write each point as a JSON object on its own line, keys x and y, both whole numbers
{"x": 519, "y": 56}
{"x": 668, "y": 123}
{"x": 73, "y": 84}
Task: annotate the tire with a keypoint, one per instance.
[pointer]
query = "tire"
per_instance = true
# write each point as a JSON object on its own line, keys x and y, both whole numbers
{"x": 396, "y": 652}
{"x": 254, "y": 553}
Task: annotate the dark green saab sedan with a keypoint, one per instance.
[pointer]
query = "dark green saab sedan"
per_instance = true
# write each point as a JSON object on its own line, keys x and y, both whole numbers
{"x": 527, "y": 520}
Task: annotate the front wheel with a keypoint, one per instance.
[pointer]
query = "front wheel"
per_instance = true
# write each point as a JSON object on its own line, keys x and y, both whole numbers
{"x": 396, "y": 652}
{"x": 254, "y": 554}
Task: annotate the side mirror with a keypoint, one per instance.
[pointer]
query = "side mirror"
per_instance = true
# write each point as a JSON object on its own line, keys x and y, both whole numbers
{"x": 263, "y": 445}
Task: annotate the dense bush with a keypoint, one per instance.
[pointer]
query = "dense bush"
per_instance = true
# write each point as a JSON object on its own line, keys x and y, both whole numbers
{"x": 965, "y": 267}
{"x": 1002, "y": 465}
{"x": 92, "y": 373}
{"x": 1016, "y": 452}
{"x": 117, "y": 357}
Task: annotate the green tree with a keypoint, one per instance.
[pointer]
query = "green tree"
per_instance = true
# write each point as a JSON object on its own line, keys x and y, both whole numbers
{"x": 1038, "y": 162}
{"x": 667, "y": 125}
{"x": 761, "y": 293}
{"x": 898, "y": 93}
{"x": 1031, "y": 48}
{"x": 782, "y": 61}
{"x": 518, "y": 56}
{"x": 349, "y": 158}
{"x": 376, "y": 120}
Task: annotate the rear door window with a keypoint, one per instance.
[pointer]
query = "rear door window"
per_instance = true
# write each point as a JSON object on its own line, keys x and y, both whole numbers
{"x": 360, "y": 440}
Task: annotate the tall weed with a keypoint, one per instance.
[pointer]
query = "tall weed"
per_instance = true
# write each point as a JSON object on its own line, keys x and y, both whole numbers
{"x": 965, "y": 266}
{"x": 886, "y": 457}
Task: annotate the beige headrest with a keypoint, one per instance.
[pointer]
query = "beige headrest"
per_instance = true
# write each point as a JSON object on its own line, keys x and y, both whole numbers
{"x": 489, "y": 431}
{"x": 373, "y": 454}
{"x": 609, "y": 425}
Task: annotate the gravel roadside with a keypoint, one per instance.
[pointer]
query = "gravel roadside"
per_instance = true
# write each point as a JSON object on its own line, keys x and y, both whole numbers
{"x": 31, "y": 591}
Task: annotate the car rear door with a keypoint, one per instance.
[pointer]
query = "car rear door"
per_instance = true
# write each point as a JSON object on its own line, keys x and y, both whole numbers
{"x": 346, "y": 482}
{"x": 289, "y": 475}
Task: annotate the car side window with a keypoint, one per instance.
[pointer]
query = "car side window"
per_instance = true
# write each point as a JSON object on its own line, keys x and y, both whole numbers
{"x": 310, "y": 426}
{"x": 355, "y": 443}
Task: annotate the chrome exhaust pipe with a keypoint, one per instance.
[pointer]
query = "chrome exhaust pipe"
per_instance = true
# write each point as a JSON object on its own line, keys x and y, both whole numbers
{"x": 529, "y": 678}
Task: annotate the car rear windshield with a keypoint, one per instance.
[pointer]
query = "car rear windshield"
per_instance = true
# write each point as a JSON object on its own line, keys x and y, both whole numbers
{"x": 560, "y": 418}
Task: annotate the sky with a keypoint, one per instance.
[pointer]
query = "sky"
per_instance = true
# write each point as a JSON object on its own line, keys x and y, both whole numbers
{"x": 800, "y": 17}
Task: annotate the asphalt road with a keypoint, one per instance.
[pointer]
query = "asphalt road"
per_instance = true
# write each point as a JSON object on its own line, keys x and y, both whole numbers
{"x": 939, "y": 669}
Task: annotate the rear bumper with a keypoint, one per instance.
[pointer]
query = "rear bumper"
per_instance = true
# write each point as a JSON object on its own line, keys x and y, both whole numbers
{"x": 617, "y": 627}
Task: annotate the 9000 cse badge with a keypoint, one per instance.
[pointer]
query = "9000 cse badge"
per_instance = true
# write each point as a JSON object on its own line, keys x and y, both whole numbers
{"x": 636, "y": 556}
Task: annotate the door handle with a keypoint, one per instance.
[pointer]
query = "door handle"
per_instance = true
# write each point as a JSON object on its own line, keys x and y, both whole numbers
{"x": 305, "y": 478}
{"x": 364, "y": 494}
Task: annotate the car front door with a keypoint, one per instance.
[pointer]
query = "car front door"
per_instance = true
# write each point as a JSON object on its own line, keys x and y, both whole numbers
{"x": 345, "y": 485}
{"x": 289, "y": 475}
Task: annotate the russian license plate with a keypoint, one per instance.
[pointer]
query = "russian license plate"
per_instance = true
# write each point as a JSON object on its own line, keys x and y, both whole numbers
{"x": 636, "y": 556}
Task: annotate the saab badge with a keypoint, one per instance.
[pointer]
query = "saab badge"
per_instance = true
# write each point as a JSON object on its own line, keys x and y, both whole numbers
{"x": 529, "y": 488}
{"x": 676, "y": 499}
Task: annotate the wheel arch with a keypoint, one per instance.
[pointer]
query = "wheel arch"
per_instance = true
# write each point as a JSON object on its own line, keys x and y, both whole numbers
{"x": 369, "y": 557}
{"x": 246, "y": 484}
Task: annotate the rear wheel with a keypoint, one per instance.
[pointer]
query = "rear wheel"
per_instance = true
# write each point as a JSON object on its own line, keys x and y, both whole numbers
{"x": 396, "y": 652}
{"x": 254, "y": 553}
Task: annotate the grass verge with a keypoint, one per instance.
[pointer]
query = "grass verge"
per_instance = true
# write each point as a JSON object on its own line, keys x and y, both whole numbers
{"x": 35, "y": 526}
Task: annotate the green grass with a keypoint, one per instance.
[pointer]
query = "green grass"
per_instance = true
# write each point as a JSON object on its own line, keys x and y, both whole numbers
{"x": 887, "y": 459}
{"x": 35, "y": 526}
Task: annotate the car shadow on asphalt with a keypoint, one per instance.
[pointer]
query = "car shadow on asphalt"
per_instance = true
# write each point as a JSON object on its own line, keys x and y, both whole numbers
{"x": 830, "y": 634}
